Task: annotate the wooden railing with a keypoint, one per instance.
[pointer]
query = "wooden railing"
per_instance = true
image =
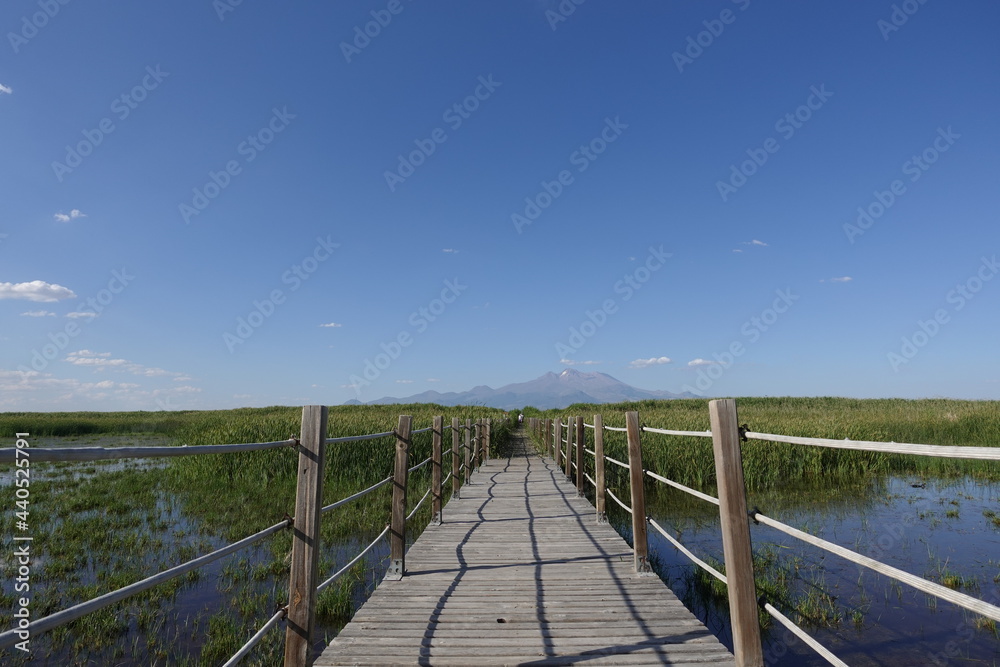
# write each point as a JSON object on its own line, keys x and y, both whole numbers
{"x": 303, "y": 588}
{"x": 735, "y": 522}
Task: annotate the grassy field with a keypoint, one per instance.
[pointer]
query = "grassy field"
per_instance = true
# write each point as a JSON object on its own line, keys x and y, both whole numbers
{"x": 98, "y": 527}
{"x": 690, "y": 460}
{"x": 96, "y": 531}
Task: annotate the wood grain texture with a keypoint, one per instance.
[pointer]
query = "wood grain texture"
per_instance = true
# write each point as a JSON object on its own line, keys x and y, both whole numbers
{"x": 520, "y": 573}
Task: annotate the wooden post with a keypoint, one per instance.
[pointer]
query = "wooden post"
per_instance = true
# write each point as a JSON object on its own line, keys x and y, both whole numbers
{"x": 456, "y": 450}
{"x": 436, "y": 470}
{"x": 569, "y": 448}
{"x": 602, "y": 514}
{"x": 397, "y": 529}
{"x": 581, "y": 443}
{"x": 467, "y": 446}
{"x": 477, "y": 439}
{"x": 547, "y": 436}
{"x": 640, "y": 545}
{"x": 557, "y": 444}
{"x": 735, "y": 533}
{"x": 486, "y": 440}
{"x": 305, "y": 545}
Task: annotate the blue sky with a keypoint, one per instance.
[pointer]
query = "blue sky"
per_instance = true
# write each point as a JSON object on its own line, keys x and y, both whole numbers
{"x": 211, "y": 205}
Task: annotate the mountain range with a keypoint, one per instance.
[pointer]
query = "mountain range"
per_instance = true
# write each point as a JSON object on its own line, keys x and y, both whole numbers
{"x": 552, "y": 390}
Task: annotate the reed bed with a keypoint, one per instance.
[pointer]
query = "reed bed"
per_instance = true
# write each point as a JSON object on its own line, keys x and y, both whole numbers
{"x": 689, "y": 460}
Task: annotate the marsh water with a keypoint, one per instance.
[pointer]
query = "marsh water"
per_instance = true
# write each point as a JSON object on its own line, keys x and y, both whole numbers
{"x": 945, "y": 530}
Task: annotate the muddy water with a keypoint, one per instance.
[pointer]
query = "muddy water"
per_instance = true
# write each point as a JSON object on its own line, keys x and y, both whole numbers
{"x": 941, "y": 530}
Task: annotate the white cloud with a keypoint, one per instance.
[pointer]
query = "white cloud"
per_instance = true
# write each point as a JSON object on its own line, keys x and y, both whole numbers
{"x": 36, "y": 290}
{"x": 449, "y": 250}
{"x": 737, "y": 250}
{"x": 433, "y": 380}
{"x": 404, "y": 381}
{"x": 38, "y": 313}
{"x": 73, "y": 215}
{"x": 652, "y": 361}
{"x": 332, "y": 325}
{"x": 75, "y": 315}
{"x": 6, "y": 89}
{"x": 102, "y": 360}
{"x": 571, "y": 362}
{"x": 754, "y": 242}
{"x": 27, "y": 388}
{"x": 842, "y": 279}
{"x": 700, "y": 362}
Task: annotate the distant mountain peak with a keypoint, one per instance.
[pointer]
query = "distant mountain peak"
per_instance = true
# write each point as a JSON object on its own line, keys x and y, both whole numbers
{"x": 547, "y": 391}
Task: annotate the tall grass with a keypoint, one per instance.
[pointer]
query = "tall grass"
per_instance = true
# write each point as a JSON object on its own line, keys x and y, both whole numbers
{"x": 689, "y": 460}
{"x": 100, "y": 522}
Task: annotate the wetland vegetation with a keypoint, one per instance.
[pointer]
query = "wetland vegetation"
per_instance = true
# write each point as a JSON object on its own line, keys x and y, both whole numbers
{"x": 100, "y": 525}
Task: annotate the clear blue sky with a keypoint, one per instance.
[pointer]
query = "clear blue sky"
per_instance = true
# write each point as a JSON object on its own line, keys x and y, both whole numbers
{"x": 469, "y": 180}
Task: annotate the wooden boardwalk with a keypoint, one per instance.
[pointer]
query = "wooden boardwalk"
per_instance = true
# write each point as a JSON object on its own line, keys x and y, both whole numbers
{"x": 520, "y": 573}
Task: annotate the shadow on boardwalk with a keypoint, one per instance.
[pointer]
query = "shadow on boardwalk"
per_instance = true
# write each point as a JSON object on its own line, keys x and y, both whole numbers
{"x": 520, "y": 573}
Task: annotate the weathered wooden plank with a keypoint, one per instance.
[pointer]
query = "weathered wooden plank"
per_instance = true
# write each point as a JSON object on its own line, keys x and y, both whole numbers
{"x": 521, "y": 574}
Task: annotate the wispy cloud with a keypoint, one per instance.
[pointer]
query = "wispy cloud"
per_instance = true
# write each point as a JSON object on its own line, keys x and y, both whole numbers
{"x": 36, "y": 290}
{"x": 572, "y": 362}
{"x": 7, "y": 90}
{"x": 404, "y": 381}
{"x": 701, "y": 362}
{"x": 38, "y": 313}
{"x": 754, "y": 242}
{"x": 73, "y": 215}
{"x": 841, "y": 279}
{"x": 75, "y": 315}
{"x": 449, "y": 250}
{"x": 646, "y": 363}
{"x": 103, "y": 360}
{"x": 332, "y": 325}
{"x": 433, "y": 380}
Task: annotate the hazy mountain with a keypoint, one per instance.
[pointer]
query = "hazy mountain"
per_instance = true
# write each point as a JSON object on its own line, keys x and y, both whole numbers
{"x": 551, "y": 390}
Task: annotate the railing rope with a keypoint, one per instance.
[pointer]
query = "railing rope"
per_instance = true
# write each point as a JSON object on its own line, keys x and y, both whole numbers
{"x": 65, "y": 616}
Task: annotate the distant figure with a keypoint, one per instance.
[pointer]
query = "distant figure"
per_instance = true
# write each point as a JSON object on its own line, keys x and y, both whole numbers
{"x": 520, "y": 419}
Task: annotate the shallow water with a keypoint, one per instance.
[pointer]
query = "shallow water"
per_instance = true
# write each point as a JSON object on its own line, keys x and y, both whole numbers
{"x": 177, "y": 625}
{"x": 933, "y": 529}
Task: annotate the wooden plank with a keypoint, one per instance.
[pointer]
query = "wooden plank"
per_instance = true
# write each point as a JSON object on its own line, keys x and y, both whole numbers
{"x": 521, "y": 574}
